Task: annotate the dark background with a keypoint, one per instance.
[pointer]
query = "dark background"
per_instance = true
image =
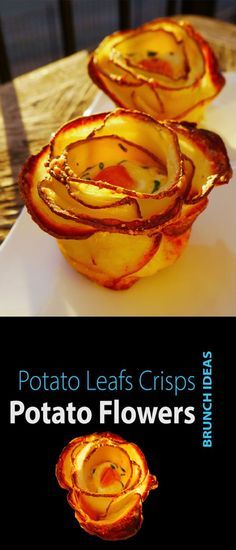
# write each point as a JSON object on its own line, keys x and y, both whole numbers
{"x": 36, "y": 32}
{"x": 189, "y": 503}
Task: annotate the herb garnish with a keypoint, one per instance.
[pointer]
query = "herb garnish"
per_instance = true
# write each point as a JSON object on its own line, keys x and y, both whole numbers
{"x": 113, "y": 466}
{"x": 85, "y": 171}
{"x": 101, "y": 165}
{"x": 151, "y": 53}
{"x": 122, "y": 147}
{"x": 90, "y": 167}
{"x": 156, "y": 186}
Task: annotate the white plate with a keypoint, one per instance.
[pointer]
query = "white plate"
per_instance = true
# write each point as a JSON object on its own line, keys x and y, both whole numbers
{"x": 36, "y": 280}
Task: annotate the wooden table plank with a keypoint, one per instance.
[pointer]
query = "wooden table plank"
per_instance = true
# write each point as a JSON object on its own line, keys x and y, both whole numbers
{"x": 32, "y": 107}
{"x": 37, "y": 103}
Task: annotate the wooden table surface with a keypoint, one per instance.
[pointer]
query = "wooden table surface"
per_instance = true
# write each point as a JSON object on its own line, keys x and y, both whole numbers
{"x": 37, "y": 103}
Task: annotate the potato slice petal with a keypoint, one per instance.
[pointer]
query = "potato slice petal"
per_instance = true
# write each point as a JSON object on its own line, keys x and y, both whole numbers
{"x": 111, "y": 255}
{"x": 122, "y": 524}
{"x": 207, "y": 153}
{"x": 32, "y": 174}
{"x": 65, "y": 465}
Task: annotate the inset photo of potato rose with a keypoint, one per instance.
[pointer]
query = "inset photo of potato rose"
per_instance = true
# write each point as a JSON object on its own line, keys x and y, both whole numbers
{"x": 107, "y": 479}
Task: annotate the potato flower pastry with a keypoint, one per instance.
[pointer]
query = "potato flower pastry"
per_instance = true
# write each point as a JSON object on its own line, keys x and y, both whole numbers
{"x": 120, "y": 191}
{"x": 164, "y": 68}
{"x": 108, "y": 480}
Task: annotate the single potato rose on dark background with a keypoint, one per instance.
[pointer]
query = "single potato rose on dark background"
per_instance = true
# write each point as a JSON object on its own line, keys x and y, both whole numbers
{"x": 108, "y": 480}
{"x": 120, "y": 191}
{"x": 164, "y": 68}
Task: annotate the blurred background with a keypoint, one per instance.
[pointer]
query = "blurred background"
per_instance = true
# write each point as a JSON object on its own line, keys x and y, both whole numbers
{"x": 35, "y": 32}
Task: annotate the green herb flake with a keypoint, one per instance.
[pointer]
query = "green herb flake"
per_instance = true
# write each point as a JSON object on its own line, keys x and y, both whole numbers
{"x": 123, "y": 470}
{"x": 145, "y": 167}
{"x": 86, "y": 170}
{"x": 171, "y": 53}
{"x": 156, "y": 186}
{"x": 94, "y": 470}
{"x": 122, "y": 147}
{"x": 113, "y": 466}
{"x": 84, "y": 174}
{"x": 101, "y": 165}
{"x": 131, "y": 54}
{"x": 151, "y": 53}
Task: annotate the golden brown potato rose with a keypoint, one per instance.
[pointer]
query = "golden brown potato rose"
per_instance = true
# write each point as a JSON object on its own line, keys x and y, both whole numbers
{"x": 108, "y": 480}
{"x": 164, "y": 68}
{"x": 120, "y": 191}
